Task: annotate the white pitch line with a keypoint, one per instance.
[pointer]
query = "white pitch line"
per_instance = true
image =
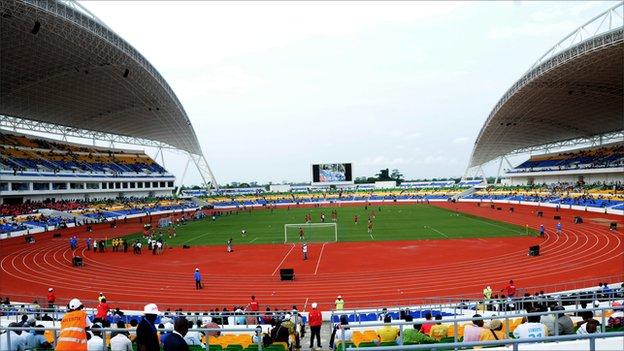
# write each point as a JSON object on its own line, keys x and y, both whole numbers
{"x": 283, "y": 259}
{"x": 254, "y": 239}
{"x": 439, "y": 232}
{"x": 319, "y": 259}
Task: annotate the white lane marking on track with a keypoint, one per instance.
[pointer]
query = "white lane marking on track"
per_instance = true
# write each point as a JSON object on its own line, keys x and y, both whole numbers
{"x": 319, "y": 259}
{"x": 283, "y": 259}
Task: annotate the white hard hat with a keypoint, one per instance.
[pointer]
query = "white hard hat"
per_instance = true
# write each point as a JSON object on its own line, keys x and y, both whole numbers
{"x": 340, "y": 297}
{"x": 50, "y": 289}
{"x": 314, "y": 305}
{"x": 75, "y": 304}
{"x": 196, "y": 269}
{"x": 151, "y": 308}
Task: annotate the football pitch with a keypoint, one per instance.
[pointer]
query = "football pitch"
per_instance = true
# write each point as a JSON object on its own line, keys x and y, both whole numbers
{"x": 399, "y": 222}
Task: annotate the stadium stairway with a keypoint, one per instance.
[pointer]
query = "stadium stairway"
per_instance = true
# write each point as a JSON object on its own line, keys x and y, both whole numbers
{"x": 467, "y": 192}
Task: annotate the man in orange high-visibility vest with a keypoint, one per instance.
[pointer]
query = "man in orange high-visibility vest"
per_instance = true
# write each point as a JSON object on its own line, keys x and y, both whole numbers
{"x": 73, "y": 336}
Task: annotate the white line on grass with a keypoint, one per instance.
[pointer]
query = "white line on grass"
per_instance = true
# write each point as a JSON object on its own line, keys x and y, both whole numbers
{"x": 319, "y": 259}
{"x": 283, "y": 259}
{"x": 254, "y": 239}
{"x": 439, "y": 232}
{"x": 493, "y": 224}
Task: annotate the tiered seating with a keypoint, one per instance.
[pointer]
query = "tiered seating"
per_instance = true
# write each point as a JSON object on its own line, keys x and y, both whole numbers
{"x": 603, "y": 157}
{"x": 21, "y": 153}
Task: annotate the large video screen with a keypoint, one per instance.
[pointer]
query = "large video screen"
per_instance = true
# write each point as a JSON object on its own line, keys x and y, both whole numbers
{"x": 331, "y": 173}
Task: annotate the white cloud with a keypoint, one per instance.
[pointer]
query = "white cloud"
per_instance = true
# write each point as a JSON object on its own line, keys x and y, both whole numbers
{"x": 460, "y": 140}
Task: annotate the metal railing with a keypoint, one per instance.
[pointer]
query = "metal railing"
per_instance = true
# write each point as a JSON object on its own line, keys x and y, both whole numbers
{"x": 456, "y": 321}
{"x": 104, "y": 331}
{"x": 513, "y": 342}
{"x": 493, "y": 305}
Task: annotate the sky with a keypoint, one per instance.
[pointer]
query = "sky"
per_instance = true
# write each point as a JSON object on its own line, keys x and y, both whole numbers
{"x": 273, "y": 87}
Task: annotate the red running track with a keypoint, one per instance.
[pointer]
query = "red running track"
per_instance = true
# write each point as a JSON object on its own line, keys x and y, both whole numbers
{"x": 376, "y": 273}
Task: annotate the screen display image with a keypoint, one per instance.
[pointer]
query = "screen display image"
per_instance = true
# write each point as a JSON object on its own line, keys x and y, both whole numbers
{"x": 331, "y": 173}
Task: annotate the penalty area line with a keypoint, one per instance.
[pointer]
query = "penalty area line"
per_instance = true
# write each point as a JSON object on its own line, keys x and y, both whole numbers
{"x": 283, "y": 259}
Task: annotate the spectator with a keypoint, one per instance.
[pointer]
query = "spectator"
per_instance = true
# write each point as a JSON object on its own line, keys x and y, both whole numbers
{"x": 147, "y": 337}
{"x": 95, "y": 342}
{"x": 267, "y": 318}
{"x": 175, "y": 341}
{"x": 564, "y": 322}
{"x": 547, "y": 320}
{"x": 589, "y": 327}
{"x": 414, "y": 336}
{"x": 439, "y": 330}
{"x": 343, "y": 328}
{"x": 426, "y": 327}
{"x": 39, "y": 341}
{"x": 17, "y": 342}
{"x": 193, "y": 337}
{"x": 73, "y": 327}
{"x": 472, "y": 332}
{"x": 494, "y": 331}
{"x": 120, "y": 340}
{"x": 530, "y": 327}
{"x": 387, "y": 333}
{"x": 315, "y": 320}
{"x": 280, "y": 333}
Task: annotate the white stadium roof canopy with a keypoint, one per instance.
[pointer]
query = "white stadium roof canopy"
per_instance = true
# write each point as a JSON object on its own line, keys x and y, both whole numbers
{"x": 573, "y": 92}
{"x": 64, "y": 72}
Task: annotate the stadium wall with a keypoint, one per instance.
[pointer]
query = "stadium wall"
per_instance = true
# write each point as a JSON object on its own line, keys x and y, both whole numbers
{"x": 400, "y": 201}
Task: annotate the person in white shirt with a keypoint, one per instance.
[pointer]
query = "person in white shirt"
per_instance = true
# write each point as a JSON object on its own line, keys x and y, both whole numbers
{"x": 120, "y": 340}
{"x": 17, "y": 342}
{"x": 193, "y": 337}
{"x": 95, "y": 342}
{"x": 532, "y": 329}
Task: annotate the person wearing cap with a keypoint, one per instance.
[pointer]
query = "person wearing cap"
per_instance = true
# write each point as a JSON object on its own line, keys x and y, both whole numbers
{"x": 73, "y": 335}
{"x": 315, "y": 319}
{"x": 339, "y": 303}
{"x": 175, "y": 341}
{"x": 494, "y": 331}
{"x": 147, "y": 337}
{"x": 198, "y": 279}
{"x": 51, "y": 298}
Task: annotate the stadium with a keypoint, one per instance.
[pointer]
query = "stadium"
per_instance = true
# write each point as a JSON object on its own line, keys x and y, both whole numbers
{"x": 80, "y": 220}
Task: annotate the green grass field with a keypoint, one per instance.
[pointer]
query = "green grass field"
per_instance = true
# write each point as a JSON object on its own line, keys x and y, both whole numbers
{"x": 404, "y": 222}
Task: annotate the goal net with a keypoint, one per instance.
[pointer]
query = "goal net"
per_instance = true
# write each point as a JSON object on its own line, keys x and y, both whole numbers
{"x": 312, "y": 232}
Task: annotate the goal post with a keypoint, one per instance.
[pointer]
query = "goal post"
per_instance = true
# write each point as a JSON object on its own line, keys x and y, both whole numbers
{"x": 312, "y": 232}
